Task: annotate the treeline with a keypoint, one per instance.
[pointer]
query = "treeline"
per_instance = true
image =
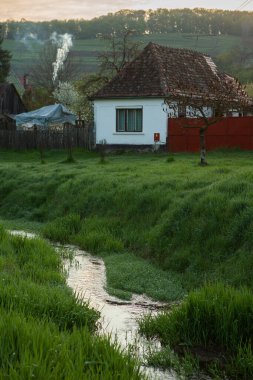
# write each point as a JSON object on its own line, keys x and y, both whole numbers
{"x": 198, "y": 21}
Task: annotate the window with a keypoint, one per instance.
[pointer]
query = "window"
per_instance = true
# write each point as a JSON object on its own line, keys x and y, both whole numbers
{"x": 129, "y": 120}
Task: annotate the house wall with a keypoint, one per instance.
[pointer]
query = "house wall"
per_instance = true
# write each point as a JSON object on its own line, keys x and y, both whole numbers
{"x": 154, "y": 121}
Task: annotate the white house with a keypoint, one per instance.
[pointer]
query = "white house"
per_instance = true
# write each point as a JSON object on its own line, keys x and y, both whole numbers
{"x": 130, "y": 109}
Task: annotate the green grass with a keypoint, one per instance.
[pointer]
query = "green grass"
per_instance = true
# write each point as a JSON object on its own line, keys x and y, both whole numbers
{"x": 193, "y": 224}
{"x": 35, "y": 349}
{"x": 46, "y": 332}
{"x": 217, "y": 318}
{"x": 163, "y": 228}
{"x": 32, "y": 282}
{"x": 249, "y": 89}
{"x": 132, "y": 274}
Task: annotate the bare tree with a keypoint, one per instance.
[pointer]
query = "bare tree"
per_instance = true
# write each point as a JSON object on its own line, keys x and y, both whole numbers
{"x": 42, "y": 72}
{"x": 201, "y": 110}
{"x": 121, "y": 50}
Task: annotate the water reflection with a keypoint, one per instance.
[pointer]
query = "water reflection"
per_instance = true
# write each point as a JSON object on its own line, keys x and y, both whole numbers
{"x": 87, "y": 277}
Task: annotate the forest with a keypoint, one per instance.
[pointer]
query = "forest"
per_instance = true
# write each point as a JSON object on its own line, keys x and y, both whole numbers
{"x": 198, "y": 21}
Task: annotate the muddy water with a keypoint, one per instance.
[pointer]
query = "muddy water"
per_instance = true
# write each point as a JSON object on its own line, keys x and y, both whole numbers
{"x": 86, "y": 275}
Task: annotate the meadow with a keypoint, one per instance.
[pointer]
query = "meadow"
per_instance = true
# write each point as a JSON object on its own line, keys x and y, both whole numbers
{"x": 177, "y": 222}
{"x": 164, "y": 226}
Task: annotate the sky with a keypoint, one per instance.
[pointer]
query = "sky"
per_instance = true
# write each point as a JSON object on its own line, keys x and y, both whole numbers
{"x": 66, "y": 9}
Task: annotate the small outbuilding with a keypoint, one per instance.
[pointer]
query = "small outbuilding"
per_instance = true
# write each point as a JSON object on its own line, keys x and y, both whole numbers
{"x": 11, "y": 104}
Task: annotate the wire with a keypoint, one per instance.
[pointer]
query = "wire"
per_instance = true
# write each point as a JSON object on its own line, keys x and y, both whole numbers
{"x": 244, "y": 4}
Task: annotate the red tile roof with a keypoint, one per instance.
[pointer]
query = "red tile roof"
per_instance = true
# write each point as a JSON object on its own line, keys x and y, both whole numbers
{"x": 159, "y": 69}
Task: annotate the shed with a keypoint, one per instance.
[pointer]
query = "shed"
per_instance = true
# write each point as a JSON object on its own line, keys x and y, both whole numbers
{"x": 10, "y": 105}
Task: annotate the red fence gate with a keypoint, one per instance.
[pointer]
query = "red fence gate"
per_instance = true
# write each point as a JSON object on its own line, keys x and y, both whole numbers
{"x": 229, "y": 132}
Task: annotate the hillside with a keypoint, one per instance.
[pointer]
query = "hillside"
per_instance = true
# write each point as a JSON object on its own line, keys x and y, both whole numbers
{"x": 85, "y": 51}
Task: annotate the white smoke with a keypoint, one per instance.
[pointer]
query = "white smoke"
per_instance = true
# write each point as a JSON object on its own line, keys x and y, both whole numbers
{"x": 63, "y": 43}
{"x": 29, "y": 39}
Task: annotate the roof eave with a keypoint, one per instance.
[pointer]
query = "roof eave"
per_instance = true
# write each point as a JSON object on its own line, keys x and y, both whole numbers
{"x": 106, "y": 97}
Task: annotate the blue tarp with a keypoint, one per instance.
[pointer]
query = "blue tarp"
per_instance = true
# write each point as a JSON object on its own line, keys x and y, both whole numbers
{"x": 43, "y": 117}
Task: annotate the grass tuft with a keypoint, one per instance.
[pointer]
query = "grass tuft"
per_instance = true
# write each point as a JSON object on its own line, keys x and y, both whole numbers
{"x": 215, "y": 321}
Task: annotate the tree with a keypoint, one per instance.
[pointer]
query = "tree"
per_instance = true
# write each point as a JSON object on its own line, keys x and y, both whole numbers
{"x": 122, "y": 49}
{"x": 70, "y": 97}
{"x": 221, "y": 98}
{"x": 87, "y": 85}
{"x": 5, "y": 58}
{"x": 36, "y": 97}
{"x": 42, "y": 72}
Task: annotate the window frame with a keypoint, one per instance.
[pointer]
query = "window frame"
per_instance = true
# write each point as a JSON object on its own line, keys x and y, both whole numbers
{"x": 126, "y": 125}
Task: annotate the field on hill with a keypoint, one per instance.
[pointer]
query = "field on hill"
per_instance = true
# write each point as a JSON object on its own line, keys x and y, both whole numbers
{"x": 85, "y": 52}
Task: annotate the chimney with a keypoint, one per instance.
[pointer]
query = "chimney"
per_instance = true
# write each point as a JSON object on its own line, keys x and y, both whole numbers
{"x": 25, "y": 81}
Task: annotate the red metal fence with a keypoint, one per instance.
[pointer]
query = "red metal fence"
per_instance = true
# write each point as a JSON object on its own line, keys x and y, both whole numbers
{"x": 230, "y": 132}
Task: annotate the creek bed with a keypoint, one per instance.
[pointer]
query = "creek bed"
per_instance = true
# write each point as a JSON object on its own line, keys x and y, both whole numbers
{"x": 86, "y": 275}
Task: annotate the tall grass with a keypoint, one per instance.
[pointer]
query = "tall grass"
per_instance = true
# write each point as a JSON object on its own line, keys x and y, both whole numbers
{"x": 32, "y": 282}
{"x": 46, "y": 333}
{"x": 35, "y": 349}
{"x": 216, "y": 317}
{"x": 180, "y": 217}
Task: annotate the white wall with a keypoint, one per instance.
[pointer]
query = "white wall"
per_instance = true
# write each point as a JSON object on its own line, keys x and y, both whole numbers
{"x": 154, "y": 120}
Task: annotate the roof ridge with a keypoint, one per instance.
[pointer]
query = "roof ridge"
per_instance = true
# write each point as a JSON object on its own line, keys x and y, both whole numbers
{"x": 176, "y": 49}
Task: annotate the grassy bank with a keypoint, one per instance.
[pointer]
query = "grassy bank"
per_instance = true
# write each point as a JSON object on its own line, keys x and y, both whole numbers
{"x": 191, "y": 224}
{"x": 46, "y": 333}
{"x": 214, "y": 325}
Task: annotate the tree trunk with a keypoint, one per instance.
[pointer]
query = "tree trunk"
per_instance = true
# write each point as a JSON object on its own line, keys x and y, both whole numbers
{"x": 70, "y": 157}
{"x": 39, "y": 138}
{"x": 202, "y": 137}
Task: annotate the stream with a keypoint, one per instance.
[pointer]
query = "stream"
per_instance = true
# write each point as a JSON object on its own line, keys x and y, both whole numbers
{"x": 86, "y": 275}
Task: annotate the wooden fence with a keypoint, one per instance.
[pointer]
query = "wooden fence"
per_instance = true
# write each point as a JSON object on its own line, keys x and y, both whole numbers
{"x": 74, "y": 137}
{"x": 229, "y": 132}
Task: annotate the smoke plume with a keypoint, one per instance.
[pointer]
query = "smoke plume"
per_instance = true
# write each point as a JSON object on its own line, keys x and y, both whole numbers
{"x": 63, "y": 43}
{"x": 29, "y": 39}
